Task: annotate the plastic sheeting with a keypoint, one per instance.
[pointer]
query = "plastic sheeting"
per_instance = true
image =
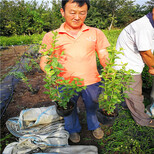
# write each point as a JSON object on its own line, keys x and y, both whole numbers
{"x": 41, "y": 130}
{"x": 74, "y": 149}
{"x": 150, "y": 110}
{"x": 37, "y": 129}
{"x": 8, "y": 83}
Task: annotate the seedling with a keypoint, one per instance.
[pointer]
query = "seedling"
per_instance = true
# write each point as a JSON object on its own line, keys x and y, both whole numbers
{"x": 60, "y": 89}
{"x": 115, "y": 83}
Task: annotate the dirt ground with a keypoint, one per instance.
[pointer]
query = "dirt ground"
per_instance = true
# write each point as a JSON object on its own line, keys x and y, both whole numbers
{"x": 23, "y": 98}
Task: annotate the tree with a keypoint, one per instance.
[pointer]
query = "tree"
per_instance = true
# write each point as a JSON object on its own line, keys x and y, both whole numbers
{"x": 56, "y": 16}
{"x": 110, "y": 13}
{"x": 7, "y": 25}
{"x": 149, "y": 5}
{"x": 113, "y": 9}
{"x": 20, "y": 17}
{"x": 94, "y": 17}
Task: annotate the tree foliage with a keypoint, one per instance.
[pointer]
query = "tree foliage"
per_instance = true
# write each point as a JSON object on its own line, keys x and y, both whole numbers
{"x": 19, "y": 17}
{"x": 149, "y": 5}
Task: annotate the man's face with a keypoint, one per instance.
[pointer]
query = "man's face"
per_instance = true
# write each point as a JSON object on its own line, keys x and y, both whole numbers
{"x": 74, "y": 14}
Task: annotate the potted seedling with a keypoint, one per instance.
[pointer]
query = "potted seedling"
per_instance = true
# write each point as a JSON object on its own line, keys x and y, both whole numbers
{"x": 60, "y": 89}
{"x": 114, "y": 85}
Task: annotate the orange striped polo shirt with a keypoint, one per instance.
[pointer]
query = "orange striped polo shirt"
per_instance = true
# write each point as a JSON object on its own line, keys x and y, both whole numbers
{"x": 79, "y": 58}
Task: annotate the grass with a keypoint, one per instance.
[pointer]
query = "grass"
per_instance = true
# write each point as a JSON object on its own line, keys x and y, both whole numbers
{"x": 5, "y": 139}
{"x": 128, "y": 137}
{"x": 112, "y": 36}
{"x": 21, "y": 40}
{"x": 36, "y": 38}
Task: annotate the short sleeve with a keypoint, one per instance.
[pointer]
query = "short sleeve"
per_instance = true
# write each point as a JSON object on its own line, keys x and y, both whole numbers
{"x": 143, "y": 40}
{"x": 101, "y": 41}
{"x": 46, "y": 42}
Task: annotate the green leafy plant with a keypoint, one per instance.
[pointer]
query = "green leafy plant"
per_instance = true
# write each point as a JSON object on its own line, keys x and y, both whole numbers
{"x": 4, "y": 140}
{"x": 30, "y": 64}
{"x": 114, "y": 83}
{"x": 21, "y": 75}
{"x": 146, "y": 78}
{"x": 60, "y": 89}
{"x": 21, "y": 39}
{"x": 127, "y": 137}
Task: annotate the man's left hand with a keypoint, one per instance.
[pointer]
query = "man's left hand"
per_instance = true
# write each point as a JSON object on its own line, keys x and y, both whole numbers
{"x": 151, "y": 71}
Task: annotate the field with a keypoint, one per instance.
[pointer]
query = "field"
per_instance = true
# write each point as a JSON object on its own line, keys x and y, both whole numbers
{"x": 124, "y": 136}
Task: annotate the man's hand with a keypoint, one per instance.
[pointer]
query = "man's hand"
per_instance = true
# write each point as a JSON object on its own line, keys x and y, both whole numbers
{"x": 151, "y": 71}
{"x": 103, "y": 57}
{"x": 148, "y": 58}
{"x": 43, "y": 62}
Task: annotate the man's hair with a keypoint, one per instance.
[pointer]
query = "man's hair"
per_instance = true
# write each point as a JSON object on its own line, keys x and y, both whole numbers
{"x": 80, "y": 2}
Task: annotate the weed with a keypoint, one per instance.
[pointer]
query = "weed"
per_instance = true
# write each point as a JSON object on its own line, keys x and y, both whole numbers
{"x": 87, "y": 139}
{"x": 127, "y": 137}
{"x": 5, "y": 140}
{"x": 147, "y": 78}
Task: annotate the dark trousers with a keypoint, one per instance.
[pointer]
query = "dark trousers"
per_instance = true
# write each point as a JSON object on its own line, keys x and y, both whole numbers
{"x": 90, "y": 99}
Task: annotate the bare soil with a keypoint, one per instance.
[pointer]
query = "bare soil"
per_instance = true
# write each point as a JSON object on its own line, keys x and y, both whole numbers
{"x": 23, "y": 99}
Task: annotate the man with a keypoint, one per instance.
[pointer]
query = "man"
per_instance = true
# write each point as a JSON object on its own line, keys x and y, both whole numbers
{"x": 137, "y": 43}
{"x": 79, "y": 43}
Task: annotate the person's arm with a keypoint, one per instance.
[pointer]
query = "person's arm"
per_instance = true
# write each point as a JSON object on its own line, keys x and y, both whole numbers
{"x": 103, "y": 56}
{"x": 148, "y": 58}
{"x": 43, "y": 62}
{"x": 46, "y": 45}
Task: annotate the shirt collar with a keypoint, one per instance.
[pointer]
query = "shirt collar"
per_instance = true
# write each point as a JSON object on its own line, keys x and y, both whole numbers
{"x": 62, "y": 29}
{"x": 149, "y": 16}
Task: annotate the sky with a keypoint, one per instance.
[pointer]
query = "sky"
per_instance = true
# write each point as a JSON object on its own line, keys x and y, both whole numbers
{"x": 140, "y": 2}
